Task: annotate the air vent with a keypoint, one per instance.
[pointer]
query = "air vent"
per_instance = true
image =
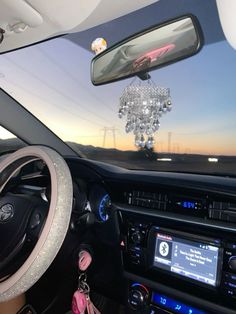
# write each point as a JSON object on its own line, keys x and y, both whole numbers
{"x": 201, "y": 206}
{"x": 173, "y": 202}
{"x": 147, "y": 199}
{"x": 225, "y": 211}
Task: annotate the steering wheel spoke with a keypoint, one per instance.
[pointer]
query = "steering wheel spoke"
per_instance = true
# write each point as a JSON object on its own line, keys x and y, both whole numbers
{"x": 33, "y": 230}
{"x": 22, "y": 217}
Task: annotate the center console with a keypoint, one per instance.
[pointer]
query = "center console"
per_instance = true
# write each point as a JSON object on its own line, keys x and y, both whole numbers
{"x": 178, "y": 267}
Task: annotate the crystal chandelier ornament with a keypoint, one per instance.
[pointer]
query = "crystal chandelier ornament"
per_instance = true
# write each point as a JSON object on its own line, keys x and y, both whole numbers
{"x": 143, "y": 105}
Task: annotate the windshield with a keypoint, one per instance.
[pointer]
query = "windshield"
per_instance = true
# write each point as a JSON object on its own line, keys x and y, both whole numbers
{"x": 52, "y": 80}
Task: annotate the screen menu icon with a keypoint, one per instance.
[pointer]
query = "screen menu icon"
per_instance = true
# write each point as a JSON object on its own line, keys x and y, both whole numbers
{"x": 164, "y": 248}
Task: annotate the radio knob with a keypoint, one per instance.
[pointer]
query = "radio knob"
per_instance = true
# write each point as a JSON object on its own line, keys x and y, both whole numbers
{"x": 138, "y": 297}
{"x": 232, "y": 263}
{"x": 136, "y": 237}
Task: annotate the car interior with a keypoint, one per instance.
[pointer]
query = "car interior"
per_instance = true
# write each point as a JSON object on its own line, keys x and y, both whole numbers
{"x": 117, "y": 157}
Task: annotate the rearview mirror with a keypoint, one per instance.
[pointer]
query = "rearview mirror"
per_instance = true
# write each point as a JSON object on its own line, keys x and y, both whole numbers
{"x": 164, "y": 44}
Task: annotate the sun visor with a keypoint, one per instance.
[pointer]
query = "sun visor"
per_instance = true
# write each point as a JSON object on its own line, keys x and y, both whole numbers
{"x": 13, "y": 11}
{"x": 17, "y": 15}
{"x": 26, "y": 22}
{"x": 227, "y": 14}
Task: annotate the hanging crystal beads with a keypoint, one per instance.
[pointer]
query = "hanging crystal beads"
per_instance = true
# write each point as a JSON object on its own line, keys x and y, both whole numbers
{"x": 143, "y": 105}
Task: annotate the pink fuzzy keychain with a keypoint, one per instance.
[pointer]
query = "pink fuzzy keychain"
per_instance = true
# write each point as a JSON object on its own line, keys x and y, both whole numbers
{"x": 81, "y": 302}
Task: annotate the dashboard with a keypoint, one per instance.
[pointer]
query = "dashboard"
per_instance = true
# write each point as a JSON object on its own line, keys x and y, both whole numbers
{"x": 177, "y": 236}
{"x": 169, "y": 239}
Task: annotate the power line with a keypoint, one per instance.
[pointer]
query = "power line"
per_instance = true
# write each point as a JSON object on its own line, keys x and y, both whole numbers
{"x": 89, "y": 136}
{"x": 55, "y": 89}
{"x": 73, "y": 78}
{"x": 52, "y": 103}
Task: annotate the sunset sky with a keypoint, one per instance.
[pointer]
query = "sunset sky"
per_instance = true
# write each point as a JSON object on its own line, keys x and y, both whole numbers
{"x": 52, "y": 80}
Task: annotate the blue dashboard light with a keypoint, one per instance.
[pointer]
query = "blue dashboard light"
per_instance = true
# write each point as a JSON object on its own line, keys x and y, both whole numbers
{"x": 187, "y": 204}
{"x": 171, "y": 304}
{"x": 103, "y": 209}
{"x": 136, "y": 284}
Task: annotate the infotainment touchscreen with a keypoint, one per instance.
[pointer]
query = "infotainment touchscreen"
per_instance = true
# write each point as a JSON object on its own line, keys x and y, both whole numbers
{"x": 194, "y": 260}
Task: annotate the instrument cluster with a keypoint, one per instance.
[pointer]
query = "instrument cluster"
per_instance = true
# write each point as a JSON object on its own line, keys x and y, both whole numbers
{"x": 100, "y": 203}
{"x": 93, "y": 198}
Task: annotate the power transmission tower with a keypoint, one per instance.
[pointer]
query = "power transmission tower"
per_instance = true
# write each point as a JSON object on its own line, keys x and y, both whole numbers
{"x": 107, "y": 130}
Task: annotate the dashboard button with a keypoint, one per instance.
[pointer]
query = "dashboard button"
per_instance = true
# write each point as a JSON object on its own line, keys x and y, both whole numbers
{"x": 231, "y": 246}
{"x": 135, "y": 254}
{"x": 232, "y": 263}
{"x": 134, "y": 248}
{"x": 232, "y": 285}
{"x": 230, "y": 292}
{"x": 135, "y": 261}
{"x": 136, "y": 237}
{"x": 138, "y": 297}
{"x": 143, "y": 231}
{"x": 35, "y": 220}
{"x": 230, "y": 277}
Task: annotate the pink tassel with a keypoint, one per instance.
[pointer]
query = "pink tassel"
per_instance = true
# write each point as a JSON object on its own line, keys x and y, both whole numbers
{"x": 91, "y": 309}
{"x": 79, "y": 303}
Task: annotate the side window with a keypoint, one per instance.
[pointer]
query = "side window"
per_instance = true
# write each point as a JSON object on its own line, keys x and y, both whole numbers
{"x": 9, "y": 142}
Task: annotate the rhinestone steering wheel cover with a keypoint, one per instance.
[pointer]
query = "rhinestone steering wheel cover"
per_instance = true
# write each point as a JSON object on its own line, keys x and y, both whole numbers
{"x": 57, "y": 222}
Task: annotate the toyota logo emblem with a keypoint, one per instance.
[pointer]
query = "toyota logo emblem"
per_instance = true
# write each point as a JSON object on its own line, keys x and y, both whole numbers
{"x": 6, "y": 212}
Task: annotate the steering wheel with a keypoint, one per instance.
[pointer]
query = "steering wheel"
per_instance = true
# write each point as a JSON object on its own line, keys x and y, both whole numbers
{"x": 16, "y": 214}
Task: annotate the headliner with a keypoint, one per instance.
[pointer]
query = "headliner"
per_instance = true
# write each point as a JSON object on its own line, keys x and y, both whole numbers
{"x": 118, "y": 29}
